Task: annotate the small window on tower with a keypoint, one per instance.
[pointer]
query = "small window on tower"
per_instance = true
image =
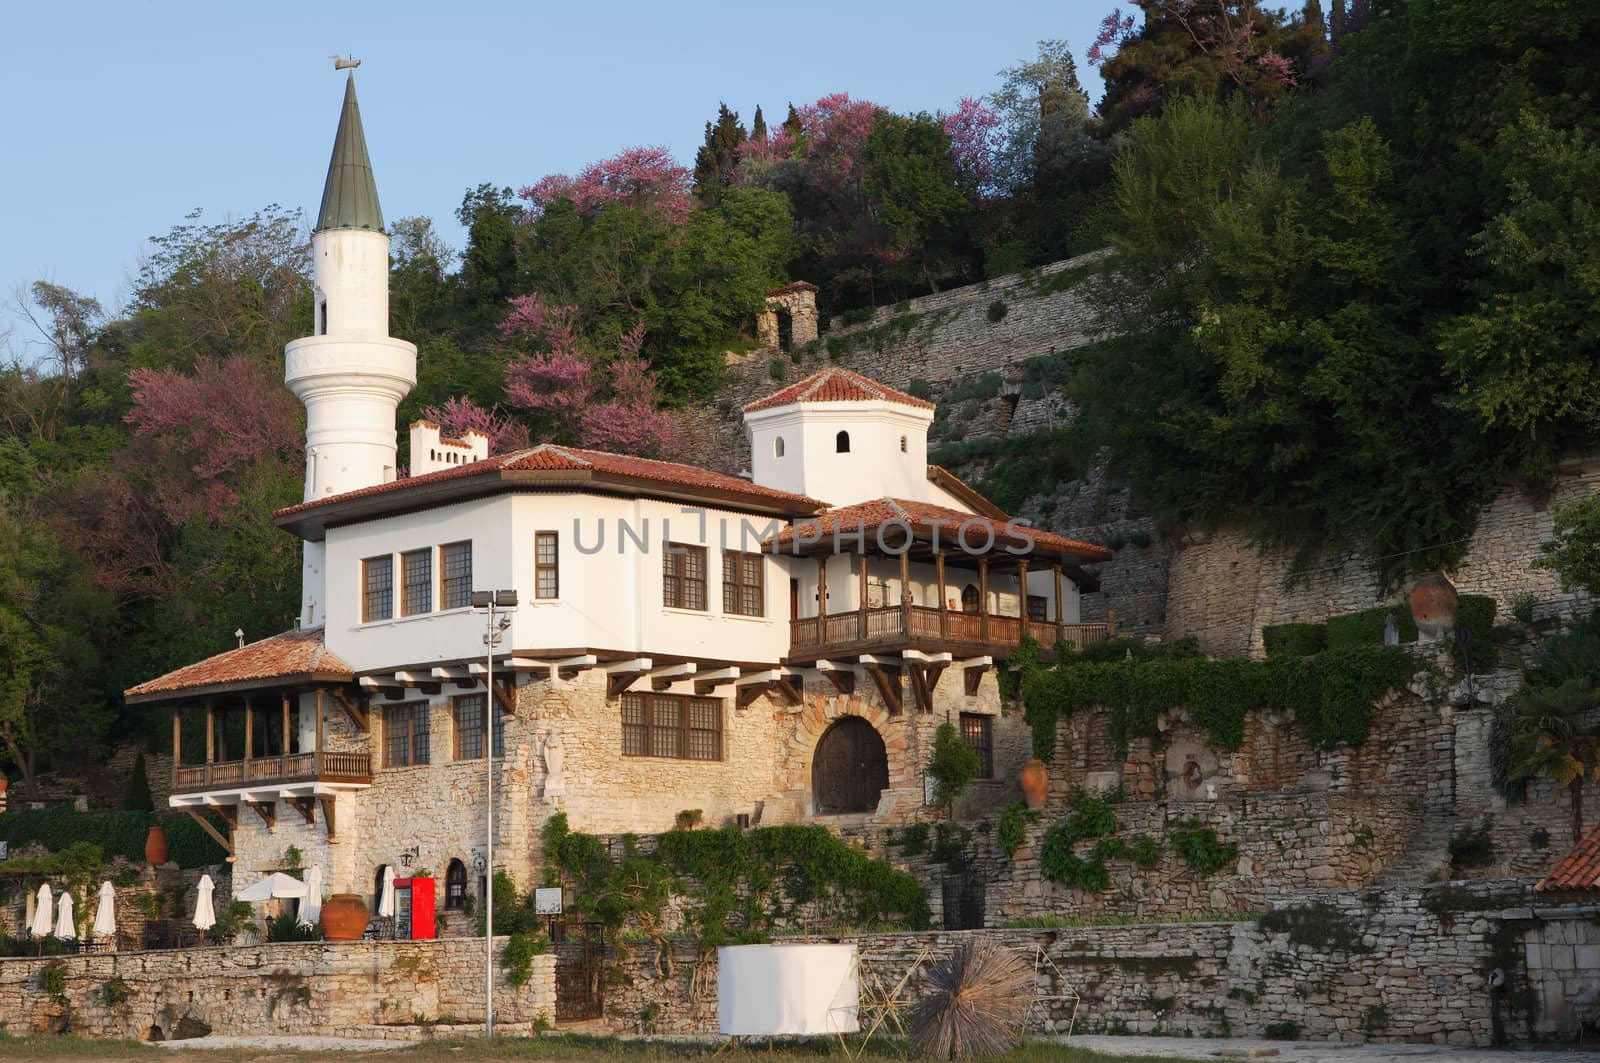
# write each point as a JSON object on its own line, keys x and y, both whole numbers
{"x": 777, "y": 447}
{"x": 322, "y": 318}
{"x": 841, "y": 443}
{"x": 902, "y": 444}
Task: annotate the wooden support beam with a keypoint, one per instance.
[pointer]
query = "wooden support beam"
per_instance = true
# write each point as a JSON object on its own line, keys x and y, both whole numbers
{"x": 706, "y": 682}
{"x": 972, "y": 669}
{"x": 205, "y": 825}
{"x": 306, "y": 806}
{"x": 663, "y": 677}
{"x": 843, "y": 677}
{"x": 355, "y": 708}
{"x": 889, "y": 689}
{"x": 505, "y": 695}
{"x": 327, "y": 803}
{"x": 229, "y": 814}
{"x": 267, "y": 810}
{"x": 620, "y": 675}
{"x": 423, "y": 681}
{"x": 783, "y": 687}
{"x": 921, "y": 696}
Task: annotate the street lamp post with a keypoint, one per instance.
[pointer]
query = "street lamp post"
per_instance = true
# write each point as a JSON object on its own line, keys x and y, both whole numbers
{"x": 502, "y": 601}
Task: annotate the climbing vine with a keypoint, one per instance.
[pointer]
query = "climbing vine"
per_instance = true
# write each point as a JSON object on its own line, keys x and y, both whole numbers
{"x": 1331, "y": 693}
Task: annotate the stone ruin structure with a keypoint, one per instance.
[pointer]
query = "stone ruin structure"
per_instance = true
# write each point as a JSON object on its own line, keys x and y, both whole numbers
{"x": 790, "y": 317}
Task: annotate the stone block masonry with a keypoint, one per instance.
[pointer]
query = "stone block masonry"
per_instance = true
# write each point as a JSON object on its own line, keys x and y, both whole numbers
{"x": 390, "y": 989}
{"x": 1411, "y": 965}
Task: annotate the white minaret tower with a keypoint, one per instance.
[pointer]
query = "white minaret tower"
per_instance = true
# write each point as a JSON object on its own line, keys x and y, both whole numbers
{"x": 352, "y": 374}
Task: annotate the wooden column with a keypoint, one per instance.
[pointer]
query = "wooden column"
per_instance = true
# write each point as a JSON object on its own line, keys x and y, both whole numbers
{"x": 249, "y": 729}
{"x": 222, "y": 733}
{"x": 487, "y": 708}
{"x": 983, "y": 599}
{"x": 1021, "y": 599}
{"x": 861, "y": 606}
{"x": 944, "y": 605}
{"x": 177, "y": 739}
{"x": 211, "y": 733}
{"x": 285, "y": 750}
{"x": 1061, "y": 601}
{"x": 905, "y": 590}
{"x": 822, "y": 594}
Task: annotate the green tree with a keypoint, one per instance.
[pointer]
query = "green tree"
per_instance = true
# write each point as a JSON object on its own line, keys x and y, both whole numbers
{"x": 1574, "y": 554}
{"x": 136, "y": 794}
{"x": 912, "y": 181}
{"x": 718, "y": 157}
{"x": 952, "y": 766}
{"x": 1554, "y": 738}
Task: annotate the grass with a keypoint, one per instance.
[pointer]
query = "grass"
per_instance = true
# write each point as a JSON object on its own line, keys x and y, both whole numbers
{"x": 567, "y": 1048}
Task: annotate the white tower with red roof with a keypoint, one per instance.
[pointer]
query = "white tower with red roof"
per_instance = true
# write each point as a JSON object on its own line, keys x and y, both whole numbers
{"x": 351, "y": 375}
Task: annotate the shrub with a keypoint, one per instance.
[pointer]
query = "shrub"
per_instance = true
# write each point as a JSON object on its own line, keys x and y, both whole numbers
{"x": 856, "y": 315}
{"x": 919, "y": 388}
{"x": 1522, "y": 607}
{"x": 518, "y": 955}
{"x": 1200, "y": 846}
{"x": 1013, "y": 828}
{"x": 1295, "y": 640}
{"x": 1091, "y": 817}
{"x": 952, "y": 766}
{"x": 1475, "y": 613}
{"x": 1115, "y": 542}
{"x": 997, "y": 311}
{"x": 1147, "y": 851}
{"x": 136, "y": 795}
{"x": 1287, "y": 1030}
{"x": 1472, "y": 847}
{"x": 1365, "y": 628}
{"x": 1140, "y": 537}
{"x": 914, "y": 840}
{"x": 778, "y": 368}
{"x": 53, "y": 979}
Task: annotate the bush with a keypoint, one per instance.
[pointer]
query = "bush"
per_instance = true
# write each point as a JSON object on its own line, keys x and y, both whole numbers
{"x": 136, "y": 795}
{"x": 1140, "y": 537}
{"x": 1013, "y": 828}
{"x": 1522, "y": 607}
{"x": 1473, "y": 847}
{"x": 1295, "y": 640}
{"x": 117, "y": 833}
{"x": 952, "y": 766}
{"x": 778, "y": 368}
{"x": 1201, "y": 847}
{"x": 919, "y": 388}
{"x": 997, "y": 311}
{"x": 1365, "y": 628}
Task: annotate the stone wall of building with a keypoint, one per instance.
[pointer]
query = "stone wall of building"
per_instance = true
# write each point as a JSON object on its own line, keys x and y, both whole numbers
{"x": 358, "y": 989}
{"x": 1410, "y": 965}
{"x": 1224, "y": 590}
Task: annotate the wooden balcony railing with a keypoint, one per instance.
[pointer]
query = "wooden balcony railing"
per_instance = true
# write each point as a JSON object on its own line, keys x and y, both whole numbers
{"x": 911, "y": 626}
{"x": 267, "y": 771}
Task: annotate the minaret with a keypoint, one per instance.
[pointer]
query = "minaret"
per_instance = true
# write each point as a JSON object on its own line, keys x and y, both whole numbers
{"x": 352, "y": 374}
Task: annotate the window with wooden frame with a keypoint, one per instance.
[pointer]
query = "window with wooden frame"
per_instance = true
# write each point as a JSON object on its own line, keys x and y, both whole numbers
{"x": 671, "y": 725}
{"x": 546, "y": 565}
{"x": 683, "y": 570}
{"x": 405, "y": 734}
{"x": 455, "y": 575}
{"x": 977, "y": 731}
{"x": 416, "y": 582}
{"x": 1038, "y": 608}
{"x": 455, "y": 886}
{"x": 377, "y": 588}
{"x": 468, "y": 712}
{"x": 743, "y": 591}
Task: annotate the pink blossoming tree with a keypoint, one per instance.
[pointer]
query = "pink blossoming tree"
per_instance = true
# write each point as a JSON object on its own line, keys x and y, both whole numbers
{"x": 641, "y": 177}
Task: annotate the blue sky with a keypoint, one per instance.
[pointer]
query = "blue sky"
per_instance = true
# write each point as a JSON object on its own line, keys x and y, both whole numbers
{"x": 121, "y": 117}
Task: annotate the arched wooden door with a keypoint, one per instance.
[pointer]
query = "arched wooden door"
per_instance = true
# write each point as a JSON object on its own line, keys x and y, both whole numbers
{"x": 850, "y": 769}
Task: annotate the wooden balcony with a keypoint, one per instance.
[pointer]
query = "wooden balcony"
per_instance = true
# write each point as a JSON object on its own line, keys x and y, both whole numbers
{"x": 273, "y": 771}
{"x": 931, "y": 630}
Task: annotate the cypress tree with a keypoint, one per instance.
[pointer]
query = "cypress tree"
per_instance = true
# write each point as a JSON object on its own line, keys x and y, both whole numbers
{"x": 136, "y": 795}
{"x": 758, "y": 127}
{"x": 717, "y": 158}
{"x": 793, "y": 124}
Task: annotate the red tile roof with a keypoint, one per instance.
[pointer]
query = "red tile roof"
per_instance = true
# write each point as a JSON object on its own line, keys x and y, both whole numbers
{"x": 836, "y": 385}
{"x": 290, "y": 655}
{"x": 920, "y": 515}
{"x": 1579, "y": 869}
{"x": 548, "y": 457}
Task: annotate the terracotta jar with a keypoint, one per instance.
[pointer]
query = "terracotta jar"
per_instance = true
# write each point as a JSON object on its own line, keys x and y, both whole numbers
{"x": 1433, "y": 606}
{"x": 155, "y": 847}
{"x": 1035, "y": 780}
{"x": 344, "y": 917}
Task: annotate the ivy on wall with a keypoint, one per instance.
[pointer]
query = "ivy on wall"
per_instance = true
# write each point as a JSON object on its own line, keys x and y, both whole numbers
{"x": 737, "y": 885}
{"x": 1330, "y": 693}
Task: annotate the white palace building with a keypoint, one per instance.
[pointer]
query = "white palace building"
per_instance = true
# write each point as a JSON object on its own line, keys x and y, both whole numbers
{"x": 770, "y": 648}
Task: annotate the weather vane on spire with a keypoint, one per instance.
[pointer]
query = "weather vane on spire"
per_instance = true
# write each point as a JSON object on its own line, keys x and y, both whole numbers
{"x": 349, "y": 62}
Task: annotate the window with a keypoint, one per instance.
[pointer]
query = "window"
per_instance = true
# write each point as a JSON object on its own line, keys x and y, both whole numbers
{"x": 455, "y": 886}
{"x": 978, "y": 733}
{"x": 969, "y": 598}
{"x": 777, "y": 447}
{"x": 902, "y": 444}
{"x": 322, "y": 318}
{"x": 416, "y": 582}
{"x": 455, "y": 583}
{"x": 405, "y": 734}
{"x": 669, "y": 725}
{"x": 469, "y": 710}
{"x": 741, "y": 584}
{"x": 377, "y": 589}
{"x": 1038, "y": 608}
{"x": 546, "y": 565}
{"x": 684, "y": 577}
{"x": 841, "y": 443}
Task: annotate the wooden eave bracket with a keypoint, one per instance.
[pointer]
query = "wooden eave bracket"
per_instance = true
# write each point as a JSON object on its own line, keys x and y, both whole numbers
{"x": 374, "y": 685}
{"x": 887, "y": 680}
{"x": 505, "y": 695}
{"x": 842, "y": 676}
{"x": 306, "y": 806}
{"x": 355, "y": 707}
{"x": 663, "y": 677}
{"x": 205, "y": 825}
{"x": 423, "y": 681}
{"x": 267, "y": 810}
{"x": 706, "y": 683}
{"x": 972, "y": 669}
{"x": 621, "y": 674}
{"x": 327, "y": 803}
{"x": 925, "y": 670}
{"x": 779, "y": 681}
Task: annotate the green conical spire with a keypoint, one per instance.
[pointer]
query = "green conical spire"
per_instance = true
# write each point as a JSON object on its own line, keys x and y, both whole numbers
{"x": 350, "y": 196}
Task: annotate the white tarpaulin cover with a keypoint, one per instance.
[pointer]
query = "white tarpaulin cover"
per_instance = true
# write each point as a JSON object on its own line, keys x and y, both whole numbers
{"x": 763, "y": 990}
{"x": 105, "y": 916}
{"x": 276, "y": 884}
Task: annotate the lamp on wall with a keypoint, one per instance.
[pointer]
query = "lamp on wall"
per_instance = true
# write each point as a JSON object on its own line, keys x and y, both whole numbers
{"x": 408, "y": 856}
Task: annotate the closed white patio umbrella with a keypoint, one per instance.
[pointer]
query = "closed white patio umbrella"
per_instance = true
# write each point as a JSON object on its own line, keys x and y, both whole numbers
{"x": 66, "y": 925}
{"x": 311, "y": 905}
{"x": 105, "y": 915}
{"x": 205, "y": 917}
{"x": 43, "y": 913}
{"x": 386, "y": 907}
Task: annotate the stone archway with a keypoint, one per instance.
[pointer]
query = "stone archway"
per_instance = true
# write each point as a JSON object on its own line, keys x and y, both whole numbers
{"x": 850, "y": 769}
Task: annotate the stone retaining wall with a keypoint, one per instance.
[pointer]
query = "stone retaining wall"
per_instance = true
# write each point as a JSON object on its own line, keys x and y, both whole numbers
{"x": 345, "y": 989}
{"x": 1415, "y": 965}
